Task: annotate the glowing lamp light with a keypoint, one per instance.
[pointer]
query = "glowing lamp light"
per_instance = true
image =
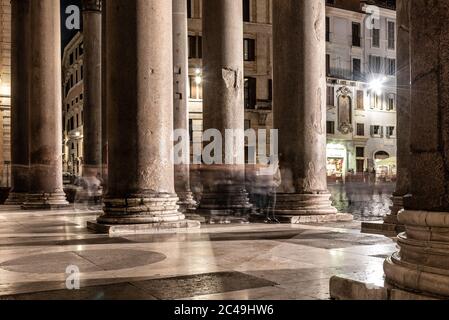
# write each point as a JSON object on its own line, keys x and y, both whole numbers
{"x": 198, "y": 77}
{"x": 198, "y": 80}
{"x": 377, "y": 85}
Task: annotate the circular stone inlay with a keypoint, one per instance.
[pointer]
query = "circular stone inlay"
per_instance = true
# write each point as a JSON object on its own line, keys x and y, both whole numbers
{"x": 86, "y": 261}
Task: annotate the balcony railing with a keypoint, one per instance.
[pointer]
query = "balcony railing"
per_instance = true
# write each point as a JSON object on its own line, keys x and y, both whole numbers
{"x": 346, "y": 74}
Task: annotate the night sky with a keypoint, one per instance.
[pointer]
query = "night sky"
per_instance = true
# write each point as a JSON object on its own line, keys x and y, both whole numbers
{"x": 65, "y": 33}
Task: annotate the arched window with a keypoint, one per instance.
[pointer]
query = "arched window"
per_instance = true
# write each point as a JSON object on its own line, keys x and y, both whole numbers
{"x": 391, "y": 102}
{"x": 381, "y": 155}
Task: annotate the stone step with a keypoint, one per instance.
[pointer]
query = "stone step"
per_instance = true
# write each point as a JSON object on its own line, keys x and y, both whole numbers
{"x": 359, "y": 287}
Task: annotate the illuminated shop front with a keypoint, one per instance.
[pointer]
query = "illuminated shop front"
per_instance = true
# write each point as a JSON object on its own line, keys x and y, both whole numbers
{"x": 336, "y": 162}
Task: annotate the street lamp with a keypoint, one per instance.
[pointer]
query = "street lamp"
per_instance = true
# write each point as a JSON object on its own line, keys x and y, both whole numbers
{"x": 198, "y": 76}
{"x": 376, "y": 85}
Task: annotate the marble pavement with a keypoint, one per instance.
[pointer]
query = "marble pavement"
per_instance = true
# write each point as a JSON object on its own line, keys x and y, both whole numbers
{"x": 253, "y": 261}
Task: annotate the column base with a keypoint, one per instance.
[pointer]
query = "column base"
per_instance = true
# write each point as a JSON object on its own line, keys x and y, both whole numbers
{"x": 223, "y": 216}
{"x": 390, "y": 227}
{"x": 356, "y": 287}
{"x": 227, "y": 201}
{"x": 306, "y": 208}
{"x": 186, "y": 201}
{"x": 141, "y": 209}
{"x": 422, "y": 264}
{"x": 398, "y": 205}
{"x": 390, "y": 230}
{"x": 193, "y": 215}
{"x": 16, "y": 199}
{"x": 147, "y": 228}
{"x": 46, "y": 201}
{"x": 91, "y": 197}
{"x": 142, "y": 214}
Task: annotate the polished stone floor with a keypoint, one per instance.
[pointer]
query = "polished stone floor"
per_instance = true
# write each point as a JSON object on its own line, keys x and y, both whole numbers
{"x": 254, "y": 261}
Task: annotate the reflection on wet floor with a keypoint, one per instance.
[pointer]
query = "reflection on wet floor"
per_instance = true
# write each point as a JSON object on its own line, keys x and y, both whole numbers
{"x": 250, "y": 261}
{"x": 366, "y": 201}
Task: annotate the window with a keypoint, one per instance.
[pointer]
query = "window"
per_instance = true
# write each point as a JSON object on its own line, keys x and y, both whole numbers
{"x": 330, "y": 96}
{"x": 81, "y": 96}
{"x": 270, "y": 89}
{"x": 357, "y": 69}
{"x": 328, "y": 29}
{"x": 71, "y": 59}
{"x": 247, "y": 10}
{"x": 82, "y": 72}
{"x": 390, "y": 66}
{"x": 196, "y": 88}
{"x": 391, "y": 102}
{"x": 195, "y": 47}
{"x": 376, "y": 38}
{"x": 377, "y": 131}
{"x": 376, "y": 101}
{"x": 356, "y": 34}
{"x": 375, "y": 64}
{"x": 191, "y": 130}
{"x": 360, "y": 152}
{"x": 391, "y": 132}
{"x": 330, "y": 127}
{"x": 249, "y": 49}
{"x": 328, "y": 64}
{"x": 360, "y": 100}
{"x": 360, "y": 129}
{"x": 81, "y": 49}
{"x": 247, "y": 124}
{"x": 391, "y": 35}
{"x": 250, "y": 93}
{"x": 189, "y": 9}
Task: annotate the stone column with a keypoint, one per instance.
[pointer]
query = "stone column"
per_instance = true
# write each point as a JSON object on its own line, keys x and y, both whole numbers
{"x": 391, "y": 227}
{"x": 422, "y": 265}
{"x": 300, "y": 110}
{"x": 20, "y": 85}
{"x": 403, "y": 110}
{"x": 141, "y": 195}
{"x": 104, "y": 122}
{"x": 92, "y": 145}
{"x": 223, "y": 105}
{"x": 181, "y": 110}
{"x": 46, "y": 188}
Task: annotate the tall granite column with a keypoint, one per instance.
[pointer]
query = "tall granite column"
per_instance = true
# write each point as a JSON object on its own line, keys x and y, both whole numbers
{"x": 391, "y": 227}
{"x": 45, "y": 148}
{"x": 223, "y": 105}
{"x": 181, "y": 110}
{"x": 422, "y": 264}
{"x": 104, "y": 119}
{"x": 300, "y": 110}
{"x": 403, "y": 110}
{"x": 20, "y": 59}
{"x": 92, "y": 144}
{"x": 141, "y": 195}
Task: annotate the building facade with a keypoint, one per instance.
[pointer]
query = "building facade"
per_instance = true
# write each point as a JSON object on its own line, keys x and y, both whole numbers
{"x": 5, "y": 93}
{"x": 361, "y": 67}
{"x": 73, "y": 97}
{"x": 361, "y": 92}
{"x": 258, "y": 56}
